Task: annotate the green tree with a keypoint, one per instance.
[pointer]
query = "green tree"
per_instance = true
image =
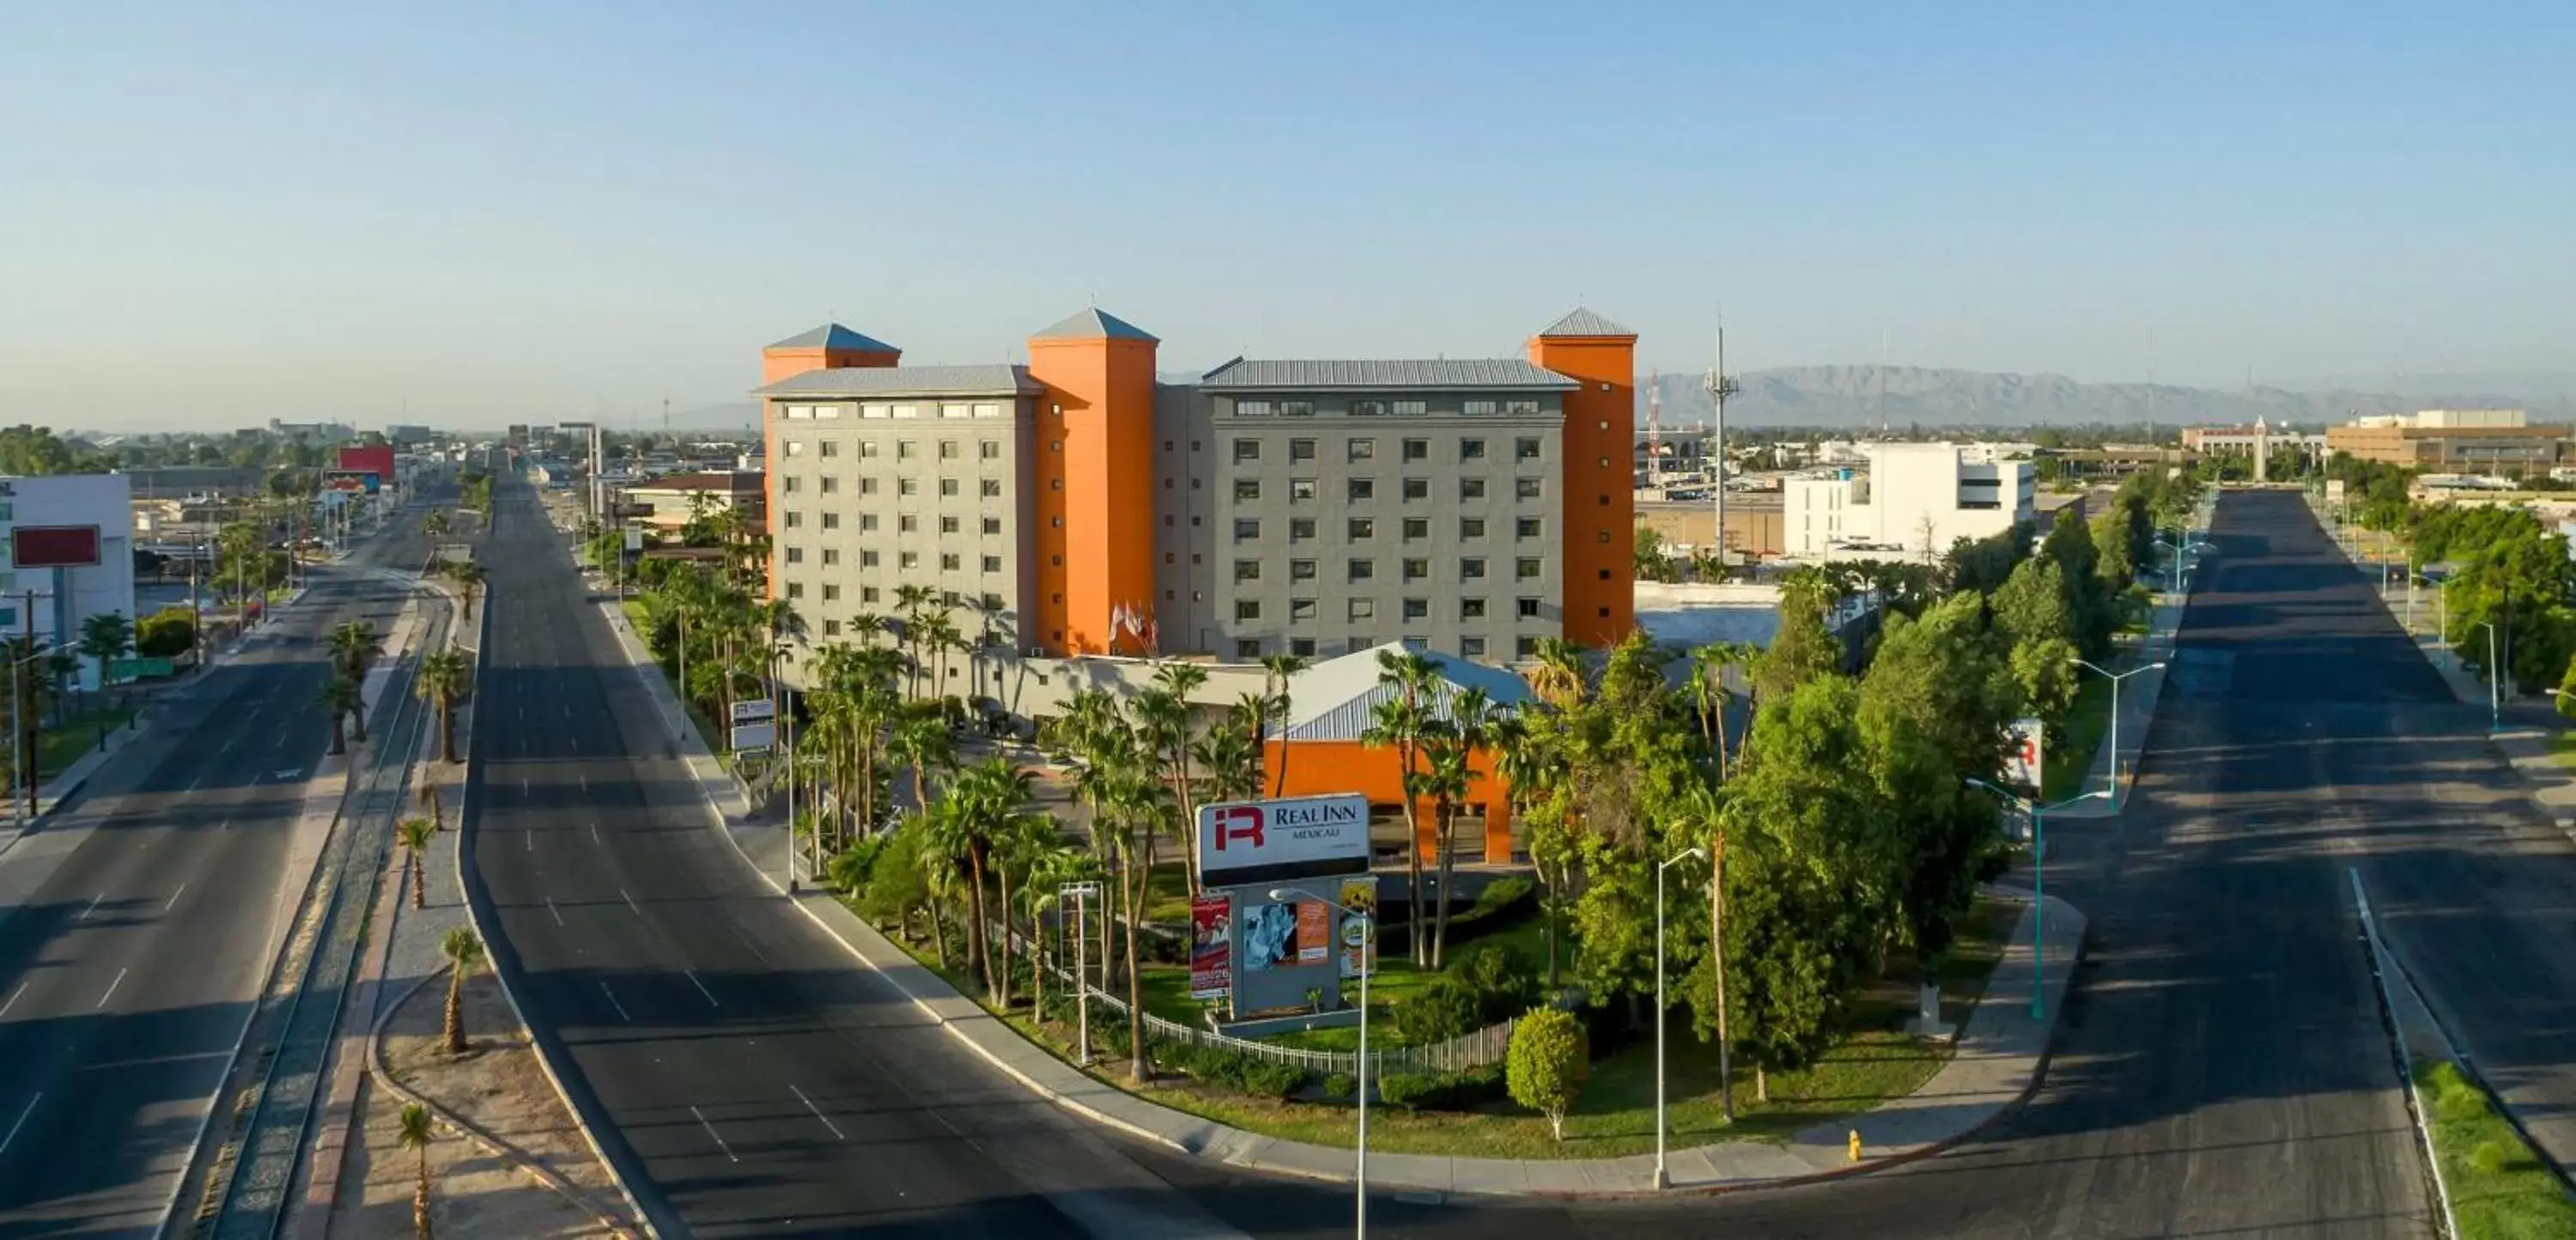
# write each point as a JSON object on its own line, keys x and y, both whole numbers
{"x": 1804, "y": 648}
{"x": 1935, "y": 705}
{"x": 106, "y": 637}
{"x": 1546, "y": 1065}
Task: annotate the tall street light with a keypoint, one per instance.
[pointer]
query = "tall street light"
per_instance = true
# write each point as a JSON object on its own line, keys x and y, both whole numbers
{"x": 2116, "y": 678}
{"x": 2495, "y": 681}
{"x": 2038, "y": 871}
{"x": 1662, "y": 1180}
{"x": 1368, "y": 927}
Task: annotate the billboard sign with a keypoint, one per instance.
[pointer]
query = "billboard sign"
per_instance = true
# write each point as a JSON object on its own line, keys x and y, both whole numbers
{"x": 1243, "y": 843}
{"x": 2022, "y": 756}
{"x": 754, "y": 710}
{"x": 1211, "y": 946}
{"x": 1269, "y": 934}
{"x": 54, "y": 546}
{"x": 754, "y": 737}
{"x": 634, "y": 540}
{"x": 1314, "y": 932}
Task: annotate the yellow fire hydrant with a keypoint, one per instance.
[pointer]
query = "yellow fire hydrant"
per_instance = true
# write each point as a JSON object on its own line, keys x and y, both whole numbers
{"x": 1855, "y": 1145}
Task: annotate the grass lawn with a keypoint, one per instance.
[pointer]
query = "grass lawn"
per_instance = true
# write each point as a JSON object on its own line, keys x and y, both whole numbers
{"x": 2068, "y": 765}
{"x": 1873, "y": 1063}
{"x": 59, "y": 747}
{"x": 2499, "y": 1189}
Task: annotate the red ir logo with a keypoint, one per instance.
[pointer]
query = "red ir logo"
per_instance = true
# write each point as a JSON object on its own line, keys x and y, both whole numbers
{"x": 1238, "y": 822}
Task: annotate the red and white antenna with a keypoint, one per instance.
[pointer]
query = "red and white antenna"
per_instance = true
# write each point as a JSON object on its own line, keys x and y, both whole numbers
{"x": 1654, "y": 425}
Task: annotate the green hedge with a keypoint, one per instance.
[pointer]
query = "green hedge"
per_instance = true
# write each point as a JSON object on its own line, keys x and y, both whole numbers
{"x": 1442, "y": 1091}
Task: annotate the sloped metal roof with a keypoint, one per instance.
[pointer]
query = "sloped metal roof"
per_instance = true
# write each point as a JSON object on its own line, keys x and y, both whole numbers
{"x": 1583, "y": 322}
{"x": 1335, "y": 699}
{"x": 1094, "y": 324}
{"x": 834, "y": 336}
{"x": 992, "y": 379}
{"x": 1501, "y": 373}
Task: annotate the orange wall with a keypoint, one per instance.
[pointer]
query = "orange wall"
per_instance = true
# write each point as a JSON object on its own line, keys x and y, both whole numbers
{"x": 1600, "y": 504}
{"x": 1101, "y": 484}
{"x": 1322, "y": 768}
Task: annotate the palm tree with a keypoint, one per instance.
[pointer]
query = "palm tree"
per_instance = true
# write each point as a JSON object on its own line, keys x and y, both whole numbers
{"x": 1401, "y": 722}
{"x": 416, "y": 1135}
{"x": 416, "y": 834}
{"x": 920, "y": 740}
{"x": 340, "y": 697}
{"x": 1710, "y": 694}
{"x": 354, "y": 647}
{"x": 107, "y": 637}
{"x": 1470, "y": 730}
{"x": 983, "y": 807}
{"x": 910, "y": 602}
{"x": 464, "y": 954}
{"x": 1229, "y": 759}
{"x": 1702, "y": 812}
{"x": 1557, "y": 675}
{"x": 435, "y": 524}
{"x": 1276, "y": 671}
{"x": 443, "y": 680}
{"x": 469, "y": 578}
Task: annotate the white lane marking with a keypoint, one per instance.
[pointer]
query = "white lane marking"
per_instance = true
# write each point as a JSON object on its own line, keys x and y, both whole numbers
{"x": 612, "y": 1002}
{"x": 594, "y": 834}
{"x": 174, "y": 898}
{"x": 523, "y": 785}
{"x": 111, "y": 990}
{"x": 22, "y": 1121}
{"x": 550, "y": 907}
{"x": 746, "y": 941}
{"x": 702, "y": 1123}
{"x": 630, "y": 902}
{"x": 702, "y": 987}
{"x": 13, "y": 998}
{"x": 530, "y": 836}
{"x": 837, "y": 1134}
{"x": 93, "y": 906}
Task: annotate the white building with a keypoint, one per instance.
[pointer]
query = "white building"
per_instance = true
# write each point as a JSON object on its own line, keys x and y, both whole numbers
{"x": 84, "y": 518}
{"x": 1912, "y": 503}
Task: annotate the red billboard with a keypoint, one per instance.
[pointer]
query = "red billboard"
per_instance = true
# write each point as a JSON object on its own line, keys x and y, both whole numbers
{"x": 54, "y": 546}
{"x": 377, "y": 460}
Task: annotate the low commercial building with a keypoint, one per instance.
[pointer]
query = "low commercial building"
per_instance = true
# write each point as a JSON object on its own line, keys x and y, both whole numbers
{"x": 666, "y": 503}
{"x": 1753, "y": 523}
{"x": 1913, "y": 502}
{"x": 66, "y": 554}
{"x": 2465, "y": 440}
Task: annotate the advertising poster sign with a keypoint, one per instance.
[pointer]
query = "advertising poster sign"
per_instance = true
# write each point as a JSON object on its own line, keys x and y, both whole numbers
{"x": 1247, "y": 843}
{"x": 1359, "y": 944}
{"x": 1269, "y": 937}
{"x": 1314, "y": 932}
{"x": 1211, "y": 935}
{"x": 2022, "y": 765}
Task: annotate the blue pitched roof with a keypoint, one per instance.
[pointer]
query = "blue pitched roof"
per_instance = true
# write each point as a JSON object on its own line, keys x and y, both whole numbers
{"x": 834, "y": 336}
{"x": 1094, "y": 324}
{"x": 1583, "y": 322}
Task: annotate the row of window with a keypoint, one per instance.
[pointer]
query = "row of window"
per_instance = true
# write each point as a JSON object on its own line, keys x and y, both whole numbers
{"x": 971, "y": 409}
{"x": 949, "y": 562}
{"x": 1361, "y": 529}
{"x": 1247, "y": 449}
{"x": 831, "y": 558}
{"x": 1470, "y": 568}
{"x": 1381, "y": 408}
{"x": 1362, "y": 490}
{"x": 904, "y": 523}
{"x": 904, "y": 449}
{"x": 1302, "y": 610}
{"x": 1304, "y": 647}
{"x": 987, "y": 488}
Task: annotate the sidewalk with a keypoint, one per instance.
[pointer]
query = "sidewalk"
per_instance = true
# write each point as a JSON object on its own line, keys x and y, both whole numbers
{"x": 1998, "y": 1061}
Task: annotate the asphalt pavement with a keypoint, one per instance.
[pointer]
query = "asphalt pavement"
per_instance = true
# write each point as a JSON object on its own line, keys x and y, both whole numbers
{"x": 140, "y": 922}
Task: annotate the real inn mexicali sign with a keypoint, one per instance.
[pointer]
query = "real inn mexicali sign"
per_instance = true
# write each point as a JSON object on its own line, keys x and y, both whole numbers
{"x": 1245, "y": 842}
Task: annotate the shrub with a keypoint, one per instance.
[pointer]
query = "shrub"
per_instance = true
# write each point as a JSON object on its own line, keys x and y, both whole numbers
{"x": 1440, "y": 1091}
{"x": 1405, "y": 1090}
{"x": 2489, "y": 1157}
{"x": 1445, "y": 1009}
{"x": 1499, "y": 896}
{"x": 1266, "y": 1079}
{"x": 1502, "y": 981}
{"x": 1547, "y": 1064}
{"x": 1341, "y": 1086}
{"x": 165, "y": 634}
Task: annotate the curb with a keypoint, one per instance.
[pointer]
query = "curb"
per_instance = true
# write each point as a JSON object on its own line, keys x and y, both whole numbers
{"x": 527, "y": 1164}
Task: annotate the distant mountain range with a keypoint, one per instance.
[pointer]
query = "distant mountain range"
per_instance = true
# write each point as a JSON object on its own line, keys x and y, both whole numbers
{"x": 1863, "y": 396}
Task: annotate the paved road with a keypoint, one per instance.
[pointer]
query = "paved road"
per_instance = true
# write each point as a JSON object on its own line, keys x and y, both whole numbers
{"x": 140, "y": 924}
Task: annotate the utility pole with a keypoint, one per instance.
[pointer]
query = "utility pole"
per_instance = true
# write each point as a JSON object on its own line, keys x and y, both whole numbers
{"x": 1720, "y": 385}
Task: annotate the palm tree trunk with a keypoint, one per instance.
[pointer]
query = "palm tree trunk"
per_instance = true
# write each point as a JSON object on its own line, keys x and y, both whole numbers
{"x": 1002, "y": 876}
{"x": 447, "y": 728}
{"x": 1413, "y": 863}
{"x": 419, "y": 883}
{"x": 938, "y": 932}
{"x": 358, "y": 714}
{"x": 420, "y": 1199}
{"x": 339, "y": 733}
{"x": 455, "y": 1025}
{"x": 1448, "y": 816}
{"x": 979, "y": 937}
{"x": 1717, "y": 955}
{"x": 1135, "y": 989}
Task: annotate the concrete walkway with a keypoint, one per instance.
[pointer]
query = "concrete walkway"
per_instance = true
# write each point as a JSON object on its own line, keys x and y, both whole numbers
{"x": 1999, "y": 1059}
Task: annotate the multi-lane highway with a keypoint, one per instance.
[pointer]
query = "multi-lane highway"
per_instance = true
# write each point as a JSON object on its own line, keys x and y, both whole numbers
{"x": 139, "y": 925}
{"x": 2221, "y": 1070}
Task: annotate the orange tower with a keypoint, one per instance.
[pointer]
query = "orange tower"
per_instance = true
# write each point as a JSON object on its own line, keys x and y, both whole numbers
{"x": 1095, "y": 486}
{"x": 1600, "y": 499}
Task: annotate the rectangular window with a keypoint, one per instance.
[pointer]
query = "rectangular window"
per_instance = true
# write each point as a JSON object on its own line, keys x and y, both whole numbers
{"x": 1524, "y": 488}
{"x": 1246, "y": 451}
{"x": 957, "y": 411}
{"x": 1417, "y": 449}
{"x": 867, "y": 559}
{"x": 1472, "y": 647}
{"x": 1252, "y": 408}
{"x": 992, "y": 525}
{"x": 988, "y": 410}
{"x": 867, "y": 449}
{"x": 795, "y": 555}
{"x": 1247, "y": 648}
{"x": 1301, "y": 490}
{"x": 1247, "y": 530}
{"x": 1301, "y": 610}
{"x": 1296, "y": 409}
{"x": 1301, "y": 529}
{"x": 1525, "y": 527}
{"x": 1302, "y": 647}
{"x": 948, "y": 561}
{"x": 831, "y": 520}
{"x": 907, "y": 411}
{"x": 867, "y": 486}
{"x": 988, "y": 449}
{"x": 867, "y": 594}
{"x": 831, "y": 593}
{"x": 1471, "y": 609}
{"x": 795, "y": 589}
{"x": 1247, "y": 609}
{"x": 1526, "y": 568}
{"x": 831, "y": 556}
{"x": 1472, "y": 568}
{"x": 1522, "y": 408}
{"x": 795, "y": 447}
{"x": 905, "y": 449}
{"x": 1301, "y": 570}
{"x": 989, "y": 488}
{"x": 1417, "y": 528}
{"x": 1417, "y": 609}
{"x": 1479, "y": 408}
{"x": 948, "y": 486}
{"x": 1301, "y": 449}
{"x": 947, "y": 449}
{"x": 1368, "y": 408}
{"x": 867, "y": 521}
{"x": 829, "y": 447}
{"x": 1361, "y": 529}
{"x": 947, "y": 525}
{"x": 907, "y": 524}
{"x": 1361, "y": 490}
{"x": 1525, "y": 448}
{"x": 907, "y": 559}
{"x": 1247, "y": 489}
{"x": 831, "y": 628}
{"x": 1417, "y": 488}
{"x": 907, "y": 486}
{"x": 1417, "y": 570}
{"x": 1363, "y": 609}
{"x": 1363, "y": 570}
{"x": 1411, "y": 408}
{"x": 992, "y": 563}
{"x": 1471, "y": 449}
{"x": 1528, "y": 608}
{"x": 787, "y": 485}
{"x": 793, "y": 520}
{"x": 831, "y": 485}
{"x": 1362, "y": 449}
{"x": 1247, "y": 570}
{"x": 1471, "y": 488}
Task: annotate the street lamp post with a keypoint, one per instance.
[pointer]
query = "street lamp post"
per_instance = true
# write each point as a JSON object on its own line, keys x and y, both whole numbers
{"x": 2038, "y": 872}
{"x": 1368, "y": 925}
{"x": 1080, "y": 894}
{"x": 2495, "y": 681}
{"x": 1662, "y": 1179}
{"x": 2116, "y": 678}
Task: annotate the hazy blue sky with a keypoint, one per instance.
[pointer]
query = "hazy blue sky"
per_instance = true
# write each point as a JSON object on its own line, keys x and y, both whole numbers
{"x": 210, "y": 214}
